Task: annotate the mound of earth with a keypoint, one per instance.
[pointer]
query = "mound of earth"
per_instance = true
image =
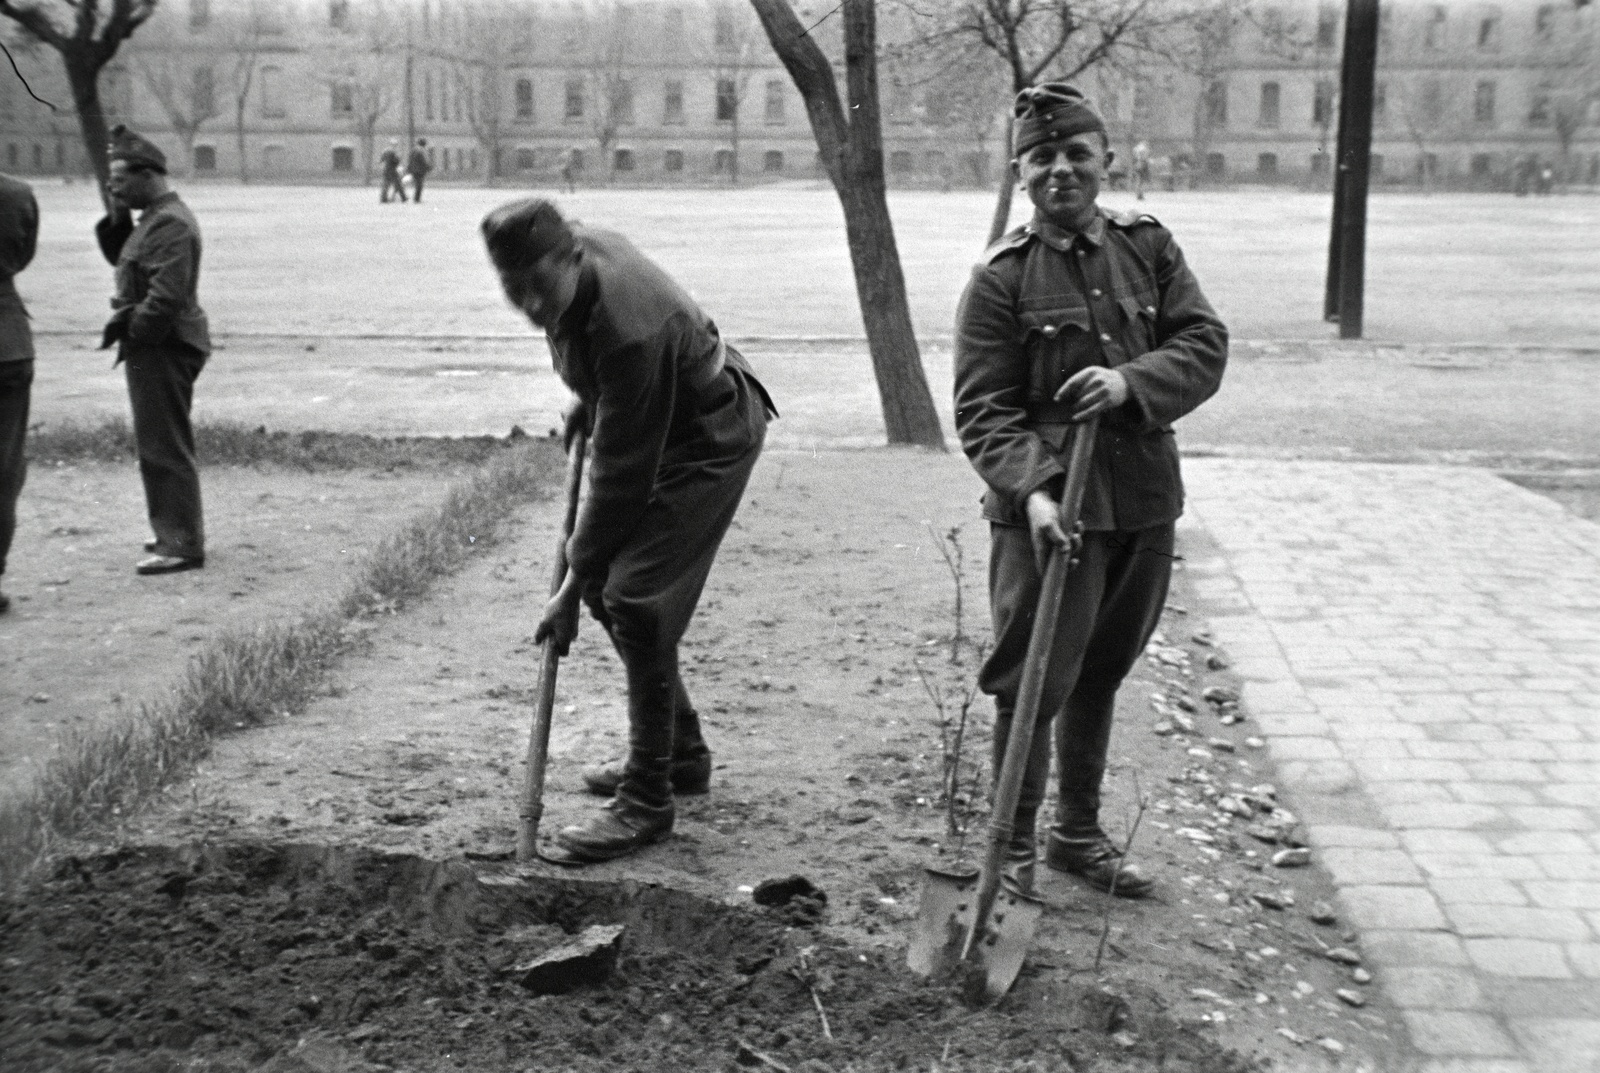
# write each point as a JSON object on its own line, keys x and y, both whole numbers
{"x": 290, "y": 958}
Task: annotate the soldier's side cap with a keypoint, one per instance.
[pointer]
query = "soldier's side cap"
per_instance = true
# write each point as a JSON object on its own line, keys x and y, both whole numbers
{"x": 138, "y": 152}
{"x": 518, "y": 233}
{"x": 1052, "y": 111}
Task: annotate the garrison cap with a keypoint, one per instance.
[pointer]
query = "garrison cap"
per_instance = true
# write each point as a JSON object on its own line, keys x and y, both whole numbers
{"x": 1051, "y": 111}
{"x": 136, "y": 151}
{"x": 518, "y": 233}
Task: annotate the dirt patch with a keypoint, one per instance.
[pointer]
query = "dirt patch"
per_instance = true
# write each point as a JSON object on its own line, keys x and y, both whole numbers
{"x": 294, "y": 958}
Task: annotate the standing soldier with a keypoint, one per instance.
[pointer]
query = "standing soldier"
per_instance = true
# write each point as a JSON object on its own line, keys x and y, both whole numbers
{"x": 1080, "y": 312}
{"x": 162, "y": 341}
{"x": 19, "y": 232}
{"x": 418, "y": 167}
{"x": 390, "y": 159}
{"x": 676, "y": 420}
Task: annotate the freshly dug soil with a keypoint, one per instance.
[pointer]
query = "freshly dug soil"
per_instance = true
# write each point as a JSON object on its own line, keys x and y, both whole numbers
{"x": 293, "y": 957}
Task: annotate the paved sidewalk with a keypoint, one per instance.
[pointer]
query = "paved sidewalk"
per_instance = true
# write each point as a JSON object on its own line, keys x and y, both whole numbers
{"x": 1421, "y": 645}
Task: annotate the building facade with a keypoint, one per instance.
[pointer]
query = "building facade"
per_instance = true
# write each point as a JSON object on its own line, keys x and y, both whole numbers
{"x": 663, "y": 92}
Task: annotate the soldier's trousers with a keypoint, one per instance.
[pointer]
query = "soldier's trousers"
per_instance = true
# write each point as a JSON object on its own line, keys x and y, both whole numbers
{"x": 16, "y": 380}
{"x": 1111, "y": 606}
{"x": 648, "y": 594}
{"x": 161, "y": 390}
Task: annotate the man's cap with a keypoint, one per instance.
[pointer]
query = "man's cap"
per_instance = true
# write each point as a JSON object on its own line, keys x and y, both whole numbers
{"x": 518, "y": 233}
{"x": 138, "y": 152}
{"x": 1051, "y": 111}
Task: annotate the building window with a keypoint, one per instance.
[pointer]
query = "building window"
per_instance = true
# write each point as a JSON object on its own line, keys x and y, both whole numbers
{"x": 524, "y": 158}
{"x": 573, "y": 109}
{"x": 273, "y": 158}
{"x": 343, "y": 99}
{"x": 524, "y": 96}
{"x": 1483, "y": 104}
{"x": 338, "y": 14}
{"x": 772, "y": 160}
{"x": 1270, "y": 97}
{"x": 1433, "y": 27}
{"x": 1216, "y": 105}
{"x": 1539, "y": 108}
{"x": 727, "y": 100}
{"x": 622, "y": 101}
{"x": 1481, "y": 165}
{"x": 203, "y": 92}
{"x": 1216, "y": 165}
{"x": 1489, "y": 33}
{"x": 1267, "y": 166}
{"x": 622, "y": 160}
{"x": 672, "y": 25}
{"x": 1544, "y": 22}
{"x": 1319, "y": 163}
{"x": 933, "y": 162}
{"x": 1327, "y": 27}
{"x": 902, "y": 105}
{"x": 723, "y": 33}
{"x": 775, "y": 99}
{"x": 901, "y": 162}
{"x": 672, "y": 159}
{"x": 1432, "y": 102}
{"x": 268, "y": 17}
{"x": 722, "y": 162}
{"x": 272, "y": 93}
{"x": 1322, "y": 103}
{"x": 344, "y": 158}
{"x": 199, "y": 14}
{"x": 672, "y": 103}
{"x": 205, "y": 158}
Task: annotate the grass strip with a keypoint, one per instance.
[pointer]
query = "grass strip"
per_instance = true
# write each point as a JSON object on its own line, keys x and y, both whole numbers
{"x": 227, "y": 443}
{"x": 240, "y": 678}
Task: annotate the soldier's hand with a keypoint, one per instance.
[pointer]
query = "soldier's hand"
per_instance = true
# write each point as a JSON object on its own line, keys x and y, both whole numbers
{"x": 559, "y": 625}
{"x": 1093, "y": 390}
{"x": 1044, "y": 525}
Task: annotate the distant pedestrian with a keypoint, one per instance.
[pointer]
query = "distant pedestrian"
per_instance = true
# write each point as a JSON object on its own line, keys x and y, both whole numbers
{"x": 569, "y": 172}
{"x": 19, "y": 233}
{"x": 1141, "y": 168}
{"x": 390, "y": 159}
{"x": 676, "y": 419}
{"x": 1081, "y": 312}
{"x": 418, "y": 167}
{"x": 162, "y": 340}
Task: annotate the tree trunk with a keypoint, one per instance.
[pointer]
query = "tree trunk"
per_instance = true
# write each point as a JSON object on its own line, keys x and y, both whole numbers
{"x": 852, "y": 153}
{"x": 83, "y": 75}
{"x": 1002, "y": 201}
{"x": 238, "y": 130}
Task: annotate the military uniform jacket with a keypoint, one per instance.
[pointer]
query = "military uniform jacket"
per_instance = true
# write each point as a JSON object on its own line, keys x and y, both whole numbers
{"x": 158, "y": 274}
{"x": 1046, "y": 303}
{"x": 19, "y": 232}
{"x": 649, "y": 367}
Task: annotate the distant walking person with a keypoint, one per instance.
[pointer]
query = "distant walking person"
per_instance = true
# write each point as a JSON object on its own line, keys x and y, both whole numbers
{"x": 1141, "y": 168}
{"x": 418, "y": 167}
{"x": 19, "y": 232}
{"x": 162, "y": 340}
{"x": 569, "y": 172}
{"x": 390, "y": 159}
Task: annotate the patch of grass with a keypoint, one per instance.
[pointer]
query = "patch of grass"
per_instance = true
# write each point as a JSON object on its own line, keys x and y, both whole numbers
{"x": 229, "y": 443}
{"x": 243, "y": 677}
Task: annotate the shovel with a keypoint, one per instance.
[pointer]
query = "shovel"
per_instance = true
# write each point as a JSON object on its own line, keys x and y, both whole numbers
{"x": 984, "y": 920}
{"x": 531, "y": 809}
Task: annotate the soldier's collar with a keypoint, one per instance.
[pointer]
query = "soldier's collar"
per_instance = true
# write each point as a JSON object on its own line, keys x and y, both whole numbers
{"x": 1061, "y": 239}
{"x": 576, "y": 317}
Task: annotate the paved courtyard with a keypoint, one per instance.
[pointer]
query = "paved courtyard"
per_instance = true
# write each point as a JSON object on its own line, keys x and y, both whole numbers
{"x": 1421, "y": 645}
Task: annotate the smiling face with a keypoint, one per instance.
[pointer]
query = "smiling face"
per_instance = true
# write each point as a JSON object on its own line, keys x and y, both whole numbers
{"x": 545, "y": 290}
{"x": 1063, "y": 178}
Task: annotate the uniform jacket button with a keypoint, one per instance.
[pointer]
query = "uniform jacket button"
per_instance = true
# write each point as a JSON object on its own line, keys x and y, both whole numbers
{"x": 1150, "y": 309}
{"x": 1095, "y": 293}
{"x": 1105, "y": 337}
{"x": 1049, "y": 330}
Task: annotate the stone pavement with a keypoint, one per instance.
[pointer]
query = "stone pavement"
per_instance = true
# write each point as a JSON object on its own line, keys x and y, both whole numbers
{"x": 1421, "y": 646}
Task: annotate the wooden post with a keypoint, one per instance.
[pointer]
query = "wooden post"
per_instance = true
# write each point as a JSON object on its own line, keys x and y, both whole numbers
{"x": 1355, "y": 161}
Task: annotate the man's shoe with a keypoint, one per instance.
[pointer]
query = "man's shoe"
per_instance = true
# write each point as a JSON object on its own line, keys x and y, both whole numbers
{"x": 1102, "y": 866}
{"x": 691, "y": 776}
{"x": 616, "y": 830}
{"x": 169, "y": 564}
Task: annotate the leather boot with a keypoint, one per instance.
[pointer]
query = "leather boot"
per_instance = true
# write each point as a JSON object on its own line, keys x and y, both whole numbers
{"x": 1022, "y": 848}
{"x": 1093, "y": 856}
{"x": 691, "y": 759}
{"x": 641, "y": 813}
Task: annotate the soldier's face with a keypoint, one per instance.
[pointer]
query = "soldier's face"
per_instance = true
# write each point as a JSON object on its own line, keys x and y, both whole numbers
{"x": 134, "y": 187}
{"x": 1063, "y": 178}
{"x": 544, "y": 291}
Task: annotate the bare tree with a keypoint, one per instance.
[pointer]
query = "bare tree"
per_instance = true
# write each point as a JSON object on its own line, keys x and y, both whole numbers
{"x": 850, "y": 144}
{"x": 601, "y": 42}
{"x": 244, "y": 47}
{"x": 188, "y": 95}
{"x": 491, "y": 36}
{"x": 735, "y": 38}
{"x": 87, "y": 34}
{"x": 965, "y": 101}
{"x": 368, "y": 82}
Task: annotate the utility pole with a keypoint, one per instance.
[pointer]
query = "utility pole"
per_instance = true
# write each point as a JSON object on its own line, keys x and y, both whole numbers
{"x": 411, "y": 103}
{"x": 1347, "y": 243}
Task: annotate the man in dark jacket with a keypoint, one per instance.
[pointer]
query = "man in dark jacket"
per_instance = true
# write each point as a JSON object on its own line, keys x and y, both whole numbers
{"x": 389, "y": 159}
{"x": 676, "y": 420}
{"x": 418, "y": 166}
{"x": 1079, "y": 312}
{"x": 19, "y": 232}
{"x": 163, "y": 341}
